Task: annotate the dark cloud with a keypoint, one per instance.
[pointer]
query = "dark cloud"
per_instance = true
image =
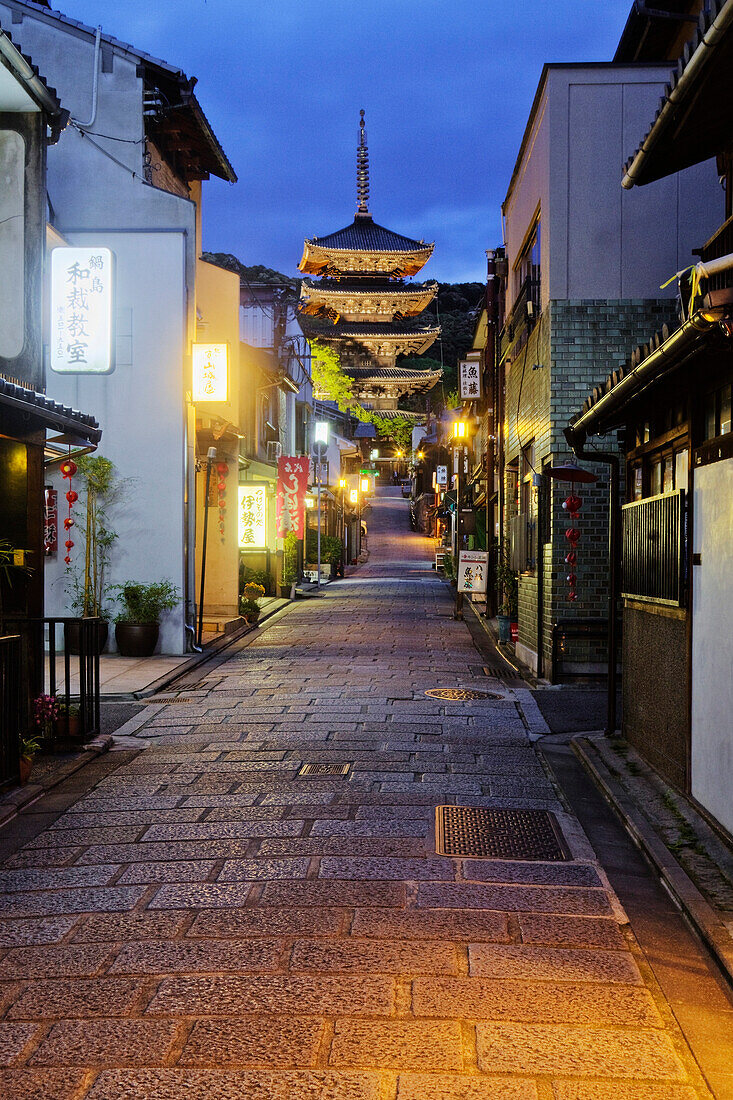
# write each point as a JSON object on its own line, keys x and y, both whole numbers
{"x": 446, "y": 84}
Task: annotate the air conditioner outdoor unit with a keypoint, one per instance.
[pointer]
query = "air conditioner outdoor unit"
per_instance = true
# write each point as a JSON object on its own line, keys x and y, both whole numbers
{"x": 274, "y": 450}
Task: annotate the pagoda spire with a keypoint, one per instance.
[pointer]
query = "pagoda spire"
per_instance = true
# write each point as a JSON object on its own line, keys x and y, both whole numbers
{"x": 362, "y": 170}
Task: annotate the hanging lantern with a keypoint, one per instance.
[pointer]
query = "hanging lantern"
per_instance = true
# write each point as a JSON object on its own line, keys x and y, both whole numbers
{"x": 222, "y": 470}
{"x": 571, "y": 558}
{"x": 68, "y": 468}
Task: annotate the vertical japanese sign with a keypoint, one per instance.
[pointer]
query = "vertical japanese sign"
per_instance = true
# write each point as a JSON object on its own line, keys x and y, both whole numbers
{"x": 469, "y": 374}
{"x": 81, "y": 310}
{"x": 252, "y": 517}
{"x": 210, "y": 372}
{"x": 441, "y": 476}
{"x": 472, "y": 568}
{"x": 50, "y": 523}
{"x": 292, "y": 484}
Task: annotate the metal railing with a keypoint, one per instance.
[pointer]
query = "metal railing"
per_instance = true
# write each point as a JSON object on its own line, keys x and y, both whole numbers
{"x": 653, "y": 555}
{"x": 13, "y": 718}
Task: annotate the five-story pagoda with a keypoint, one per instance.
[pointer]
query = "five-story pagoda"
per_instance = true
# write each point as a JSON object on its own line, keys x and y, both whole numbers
{"x": 362, "y": 306}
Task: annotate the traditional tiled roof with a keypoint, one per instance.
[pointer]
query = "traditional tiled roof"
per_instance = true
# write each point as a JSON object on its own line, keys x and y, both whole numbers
{"x": 365, "y": 431}
{"x": 369, "y": 287}
{"x": 54, "y": 415}
{"x": 355, "y": 330}
{"x": 365, "y": 235}
{"x": 37, "y": 88}
{"x": 399, "y": 414}
{"x": 391, "y": 374}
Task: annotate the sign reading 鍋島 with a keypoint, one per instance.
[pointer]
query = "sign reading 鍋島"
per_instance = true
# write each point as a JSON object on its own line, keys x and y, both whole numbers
{"x": 210, "y": 372}
{"x": 252, "y": 517}
{"x": 293, "y": 474}
{"x": 469, "y": 378}
{"x": 81, "y": 310}
{"x": 472, "y": 569}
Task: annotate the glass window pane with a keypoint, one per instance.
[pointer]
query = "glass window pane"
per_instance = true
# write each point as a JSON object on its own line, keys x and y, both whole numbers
{"x": 667, "y": 475}
{"x": 638, "y": 489}
{"x": 725, "y": 410}
{"x": 710, "y": 426}
{"x": 680, "y": 469}
{"x": 655, "y": 480}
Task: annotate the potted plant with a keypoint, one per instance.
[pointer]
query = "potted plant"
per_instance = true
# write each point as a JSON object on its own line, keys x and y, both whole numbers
{"x": 290, "y": 565}
{"x": 29, "y": 746}
{"x": 86, "y": 584}
{"x": 508, "y": 585}
{"x": 248, "y": 605}
{"x": 45, "y": 713}
{"x": 68, "y": 721}
{"x": 137, "y": 625}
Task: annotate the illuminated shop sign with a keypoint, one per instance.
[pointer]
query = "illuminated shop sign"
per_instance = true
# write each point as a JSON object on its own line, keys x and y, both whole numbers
{"x": 252, "y": 517}
{"x": 81, "y": 310}
{"x": 210, "y": 372}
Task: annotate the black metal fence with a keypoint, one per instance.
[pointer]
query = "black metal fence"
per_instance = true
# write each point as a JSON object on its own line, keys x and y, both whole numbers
{"x": 653, "y": 561}
{"x": 12, "y": 712}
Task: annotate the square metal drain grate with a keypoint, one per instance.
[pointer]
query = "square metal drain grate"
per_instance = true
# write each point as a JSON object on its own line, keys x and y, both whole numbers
{"x": 481, "y": 833}
{"x": 324, "y": 769}
{"x": 460, "y": 694}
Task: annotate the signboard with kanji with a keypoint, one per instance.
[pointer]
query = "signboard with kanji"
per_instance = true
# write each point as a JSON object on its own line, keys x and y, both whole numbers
{"x": 293, "y": 474}
{"x": 469, "y": 380}
{"x": 472, "y": 569}
{"x": 210, "y": 372}
{"x": 252, "y": 517}
{"x": 81, "y": 310}
{"x": 50, "y": 522}
{"x": 441, "y": 475}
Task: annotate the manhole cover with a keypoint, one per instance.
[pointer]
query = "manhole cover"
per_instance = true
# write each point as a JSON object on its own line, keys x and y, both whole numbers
{"x": 324, "y": 769}
{"x": 498, "y": 834}
{"x": 460, "y": 694}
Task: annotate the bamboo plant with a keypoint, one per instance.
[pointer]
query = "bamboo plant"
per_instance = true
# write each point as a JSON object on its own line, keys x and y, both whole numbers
{"x": 99, "y": 487}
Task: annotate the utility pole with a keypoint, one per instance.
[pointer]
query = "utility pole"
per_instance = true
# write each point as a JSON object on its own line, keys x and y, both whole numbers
{"x": 210, "y": 460}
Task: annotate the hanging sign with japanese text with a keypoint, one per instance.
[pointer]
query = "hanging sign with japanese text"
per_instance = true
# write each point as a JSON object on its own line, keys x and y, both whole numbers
{"x": 293, "y": 475}
{"x": 469, "y": 376}
{"x": 472, "y": 569}
{"x": 441, "y": 475}
{"x": 50, "y": 522}
{"x": 81, "y": 310}
{"x": 252, "y": 516}
{"x": 210, "y": 372}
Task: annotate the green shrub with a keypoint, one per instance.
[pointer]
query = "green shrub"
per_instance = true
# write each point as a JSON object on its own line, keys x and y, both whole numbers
{"x": 145, "y": 603}
{"x": 247, "y": 575}
{"x": 331, "y": 548}
{"x": 290, "y": 558}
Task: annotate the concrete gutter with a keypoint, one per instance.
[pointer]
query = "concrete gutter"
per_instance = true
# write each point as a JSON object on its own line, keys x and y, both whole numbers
{"x": 699, "y": 913}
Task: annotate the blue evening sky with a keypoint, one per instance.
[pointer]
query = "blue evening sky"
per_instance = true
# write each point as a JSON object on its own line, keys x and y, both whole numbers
{"x": 446, "y": 84}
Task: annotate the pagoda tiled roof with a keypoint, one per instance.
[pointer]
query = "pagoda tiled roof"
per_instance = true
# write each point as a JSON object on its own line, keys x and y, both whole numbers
{"x": 360, "y": 285}
{"x": 391, "y": 374}
{"x": 365, "y": 235}
{"x": 355, "y": 329}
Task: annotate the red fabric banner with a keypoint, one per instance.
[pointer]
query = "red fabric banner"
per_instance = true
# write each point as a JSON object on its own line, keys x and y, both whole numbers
{"x": 292, "y": 485}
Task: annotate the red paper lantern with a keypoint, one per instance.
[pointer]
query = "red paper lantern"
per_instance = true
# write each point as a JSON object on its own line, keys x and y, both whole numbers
{"x": 572, "y": 595}
{"x": 71, "y": 496}
{"x": 572, "y": 534}
{"x": 571, "y": 579}
{"x": 67, "y": 559}
{"x": 68, "y": 544}
{"x": 571, "y": 558}
{"x": 68, "y": 468}
{"x": 222, "y": 468}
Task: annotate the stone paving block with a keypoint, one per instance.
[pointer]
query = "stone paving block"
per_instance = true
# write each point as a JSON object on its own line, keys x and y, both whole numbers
{"x": 205, "y": 801}
{"x": 575, "y": 1051}
{"x": 404, "y": 1044}
{"x": 73, "y": 838}
{"x": 429, "y": 1086}
{"x": 231, "y": 995}
{"x": 534, "y": 874}
{"x": 40, "y": 1084}
{"x": 207, "y": 895}
{"x": 154, "y": 851}
{"x": 106, "y": 1043}
{"x": 333, "y": 893}
{"x": 552, "y": 964}
{"x": 534, "y": 1002}
{"x": 129, "y": 926}
{"x": 567, "y": 931}
{"x": 252, "y": 870}
{"x": 184, "y": 956}
{"x": 46, "y": 1000}
{"x": 74, "y": 820}
{"x": 234, "y": 830}
{"x": 14, "y": 1038}
{"x": 621, "y": 1090}
{"x": 102, "y": 899}
{"x": 267, "y": 922}
{"x": 397, "y": 847}
{"x": 56, "y": 878}
{"x": 408, "y": 870}
{"x": 55, "y": 961}
{"x": 355, "y": 956}
{"x": 432, "y": 924}
{"x": 548, "y": 899}
{"x": 190, "y": 870}
{"x": 36, "y": 858}
{"x": 260, "y": 1084}
{"x": 34, "y": 930}
{"x": 371, "y": 829}
{"x": 278, "y": 1041}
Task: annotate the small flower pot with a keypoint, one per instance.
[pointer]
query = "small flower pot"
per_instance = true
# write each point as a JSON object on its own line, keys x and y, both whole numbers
{"x": 25, "y": 765}
{"x": 68, "y": 727}
{"x": 136, "y": 639}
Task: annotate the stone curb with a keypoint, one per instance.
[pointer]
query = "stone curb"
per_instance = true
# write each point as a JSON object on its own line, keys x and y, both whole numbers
{"x": 19, "y": 798}
{"x": 685, "y": 894}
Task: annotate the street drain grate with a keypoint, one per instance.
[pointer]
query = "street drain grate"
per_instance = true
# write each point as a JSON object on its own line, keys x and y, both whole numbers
{"x": 460, "y": 694}
{"x": 173, "y": 699}
{"x": 481, "y": 833}
{"x": 324, "y": 769}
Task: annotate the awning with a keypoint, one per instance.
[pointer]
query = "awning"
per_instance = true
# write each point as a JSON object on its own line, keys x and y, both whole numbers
{"x": 42, "y": 412}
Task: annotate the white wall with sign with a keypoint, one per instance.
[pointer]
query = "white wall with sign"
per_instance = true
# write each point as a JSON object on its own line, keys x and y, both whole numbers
{"x": 210, "y": 372}
{"x": 82, "y": 298}
{"x": 469, "y": 379}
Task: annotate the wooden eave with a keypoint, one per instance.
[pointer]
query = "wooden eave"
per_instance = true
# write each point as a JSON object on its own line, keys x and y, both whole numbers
{"x": 317, "y": 260}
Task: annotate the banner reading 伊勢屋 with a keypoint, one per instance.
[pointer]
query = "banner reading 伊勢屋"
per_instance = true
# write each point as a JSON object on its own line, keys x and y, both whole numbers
{"x": 292, "y": 485}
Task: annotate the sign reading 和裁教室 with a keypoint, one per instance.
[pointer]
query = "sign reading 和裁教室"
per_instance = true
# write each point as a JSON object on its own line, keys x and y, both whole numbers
{"x": 81, "y": 310}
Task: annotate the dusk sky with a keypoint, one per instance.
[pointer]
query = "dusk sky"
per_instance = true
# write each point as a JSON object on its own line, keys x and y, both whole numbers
{"x": 446, "y": 84}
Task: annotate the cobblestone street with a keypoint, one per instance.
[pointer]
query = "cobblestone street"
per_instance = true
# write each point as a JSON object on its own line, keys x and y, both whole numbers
{"x": 205, "y": 922}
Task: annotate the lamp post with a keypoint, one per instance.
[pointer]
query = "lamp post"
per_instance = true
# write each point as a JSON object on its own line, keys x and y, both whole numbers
{"x": 342, "y": 487}
{"x": 363, "y": 488}
{"x": 210, "y": 460}
{"x": 321, "y": 442}
{"x": 459, "y": 436}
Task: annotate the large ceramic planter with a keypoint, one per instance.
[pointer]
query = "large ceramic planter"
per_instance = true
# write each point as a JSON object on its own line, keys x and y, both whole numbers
{"x": 72, "y": 636}
{"x": 286, "y": 591}
{"x": 504, "y": 627}
{"x": 136, "y": 639}
{"x": 68, "y": 727}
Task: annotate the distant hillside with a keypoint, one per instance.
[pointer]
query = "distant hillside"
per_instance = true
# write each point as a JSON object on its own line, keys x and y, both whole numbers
{"x": 456, "y": 306}
{"x": 254, "y": 273}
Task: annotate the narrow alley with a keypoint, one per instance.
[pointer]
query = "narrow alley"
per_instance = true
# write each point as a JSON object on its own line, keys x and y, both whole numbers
{"x": 195, "y": 916}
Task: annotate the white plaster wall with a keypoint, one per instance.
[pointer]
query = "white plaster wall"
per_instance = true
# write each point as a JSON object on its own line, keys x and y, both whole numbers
{"x": 712, "y": 641}
{"x": 141, "y": 409}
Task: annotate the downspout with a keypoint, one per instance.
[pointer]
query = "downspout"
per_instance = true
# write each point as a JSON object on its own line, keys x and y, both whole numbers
{"x": 577, "y": 444}
{"x": 709, "y": 41}
{"x": 95, "y": 85}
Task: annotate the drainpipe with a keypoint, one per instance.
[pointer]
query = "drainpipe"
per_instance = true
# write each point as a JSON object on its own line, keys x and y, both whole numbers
{"x": 95, "y": 85}
{"x": 578, "y": 448}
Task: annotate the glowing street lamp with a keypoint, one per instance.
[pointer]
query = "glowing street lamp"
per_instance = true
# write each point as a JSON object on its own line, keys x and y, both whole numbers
{"x": 365, "y": 485}
{"x": 321, "y": 443}
{"x": 321, "y": 431}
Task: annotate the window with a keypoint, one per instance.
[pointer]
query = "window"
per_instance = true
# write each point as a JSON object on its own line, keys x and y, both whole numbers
{"x": 717, "y": 412}
{"x": 527, "y": 269}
